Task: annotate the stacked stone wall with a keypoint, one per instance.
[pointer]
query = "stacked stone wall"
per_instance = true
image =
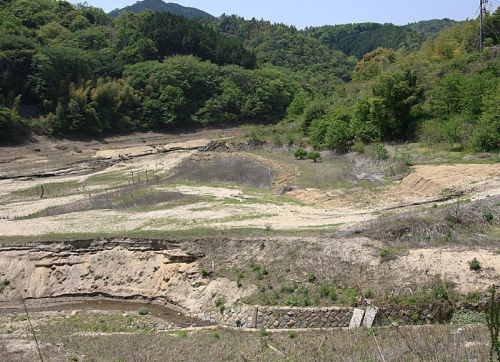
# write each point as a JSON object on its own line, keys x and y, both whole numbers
{"x": 295, "y": 317}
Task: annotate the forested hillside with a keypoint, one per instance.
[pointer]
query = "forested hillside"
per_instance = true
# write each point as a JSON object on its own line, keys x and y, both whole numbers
{"x": 76, "y": 69}
{"x": 359, "y": 39}
{"x": 159, "y": 5}
{"x": 431, "y": 28}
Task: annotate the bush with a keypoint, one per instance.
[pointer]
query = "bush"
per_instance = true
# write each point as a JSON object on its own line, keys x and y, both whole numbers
{"x": 143, "y": 311}
{"x": 300, "y": 153}
{"x": 467, "y": 316}
{"x": 292, "y": 334}
{"x": 311, "y": 278}
{"x": 378, "y": 151}
{"x": 328, "y": 292}
{"x": 474, "y": 264}
{"x": 219, "y": 304}
{"x": 313, "y": 155}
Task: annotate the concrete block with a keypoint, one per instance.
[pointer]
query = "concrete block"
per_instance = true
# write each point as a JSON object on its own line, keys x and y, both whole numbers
{"x": 357, "y": 318}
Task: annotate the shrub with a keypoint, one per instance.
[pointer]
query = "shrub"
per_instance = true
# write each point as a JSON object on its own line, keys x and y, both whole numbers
{"x": 378, "y": 151}
{"x": 300, "y": 153}
{"x": 143, "y": 311}
{"x": 292, "y": 334}
{"x": 313, "y": 155}
{"x": 239, "y": 276}
{"x": 203, "y": 272}
{"x": 220, "y": 304}
{"x": 474, "y": 264}
{"x": 311, "y": 278}
{"x": 487, "y": 215}
{"x": 292, "y": 301}
{"x": 467, "y": 316}
{"x": 328, "y": 292}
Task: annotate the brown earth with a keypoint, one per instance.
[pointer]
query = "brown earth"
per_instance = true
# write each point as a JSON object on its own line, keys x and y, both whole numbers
{"x": 44, "y": 271}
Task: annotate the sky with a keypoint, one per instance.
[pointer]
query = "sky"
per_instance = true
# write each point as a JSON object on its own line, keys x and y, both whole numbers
{"x": 302, "y": 13}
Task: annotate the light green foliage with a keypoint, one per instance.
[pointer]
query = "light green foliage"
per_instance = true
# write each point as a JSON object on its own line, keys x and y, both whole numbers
{"x": 313, "y": 155}
{"x": 467, "y": 316}
{"x": 143, "y": 311}
{"x": 474, "y": 264}
{"x": 300, "y": 153}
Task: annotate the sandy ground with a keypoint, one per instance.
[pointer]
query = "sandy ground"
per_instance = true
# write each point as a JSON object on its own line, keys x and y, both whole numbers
{"x": 231, "y": 207}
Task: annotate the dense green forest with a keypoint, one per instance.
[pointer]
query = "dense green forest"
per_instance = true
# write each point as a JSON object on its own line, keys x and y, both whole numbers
{"x": 74, "y": 69}
{"x": 159, "y": 5}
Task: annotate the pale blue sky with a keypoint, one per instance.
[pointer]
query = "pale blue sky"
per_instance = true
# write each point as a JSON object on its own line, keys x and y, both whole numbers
{"x": 303, "y": 13}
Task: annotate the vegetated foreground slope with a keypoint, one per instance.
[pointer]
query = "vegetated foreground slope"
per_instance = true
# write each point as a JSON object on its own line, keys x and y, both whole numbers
{"x": 140, "y": 226}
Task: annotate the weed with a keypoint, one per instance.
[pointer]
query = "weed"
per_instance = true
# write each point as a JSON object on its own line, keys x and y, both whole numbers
{"x": 203, "y": 272}
{"x": 264, "y": 332}
{"x": 474, "y": 264}
{"x": 143, "y": 311}
{"x": 239, "y": 276}
{"x": 287, "y": 289}
{"x": 493, "y": 322}
{"x": 487, "y": 215}
{"x": 220, "y": 304}
{"x": 467, "y": 316}
{"x": 311, "y": 277}
{"x": 292, "y": 334}
{"x": 181, "y": 334}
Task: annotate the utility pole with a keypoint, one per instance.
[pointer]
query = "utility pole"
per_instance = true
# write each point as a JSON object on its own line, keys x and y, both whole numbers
{"x": 481, "y": 25}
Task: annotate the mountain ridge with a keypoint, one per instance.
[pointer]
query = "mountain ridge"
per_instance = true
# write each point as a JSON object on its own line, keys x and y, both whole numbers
{"x": 159, "y": 5}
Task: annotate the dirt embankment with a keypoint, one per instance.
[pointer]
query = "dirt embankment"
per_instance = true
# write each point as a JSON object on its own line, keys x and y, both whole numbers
{"x": 159, "y": 272}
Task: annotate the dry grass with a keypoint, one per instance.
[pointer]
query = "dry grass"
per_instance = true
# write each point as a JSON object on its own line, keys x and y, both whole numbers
{"x": 461, "y": 222}
{"x": 424, "y": 343}
{"x": 125, "y": 198}
{"x": 231, "y": 170}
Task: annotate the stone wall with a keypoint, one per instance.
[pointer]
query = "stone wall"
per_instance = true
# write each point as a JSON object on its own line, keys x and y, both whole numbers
{"x": 296, "y": 317}
{"x": 280, "y": 317}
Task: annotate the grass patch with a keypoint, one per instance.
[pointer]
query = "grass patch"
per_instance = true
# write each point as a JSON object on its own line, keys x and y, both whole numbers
{"x": 352, "y": 345}
{"x": 231, "y": 170}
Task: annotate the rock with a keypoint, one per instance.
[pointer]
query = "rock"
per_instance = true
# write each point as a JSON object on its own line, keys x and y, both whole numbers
{"x": 286, "y": 189}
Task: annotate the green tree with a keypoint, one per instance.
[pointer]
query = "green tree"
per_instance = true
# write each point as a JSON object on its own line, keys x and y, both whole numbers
{"x": 300, "y": 153}
{"x": 313, "y": 155}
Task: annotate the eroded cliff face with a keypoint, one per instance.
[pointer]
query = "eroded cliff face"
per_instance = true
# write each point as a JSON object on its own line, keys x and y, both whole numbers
{"x": 118, "y": 268}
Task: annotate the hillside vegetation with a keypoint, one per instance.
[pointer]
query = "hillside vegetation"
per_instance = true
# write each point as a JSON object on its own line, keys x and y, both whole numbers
{"x": 73, "y": 69}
